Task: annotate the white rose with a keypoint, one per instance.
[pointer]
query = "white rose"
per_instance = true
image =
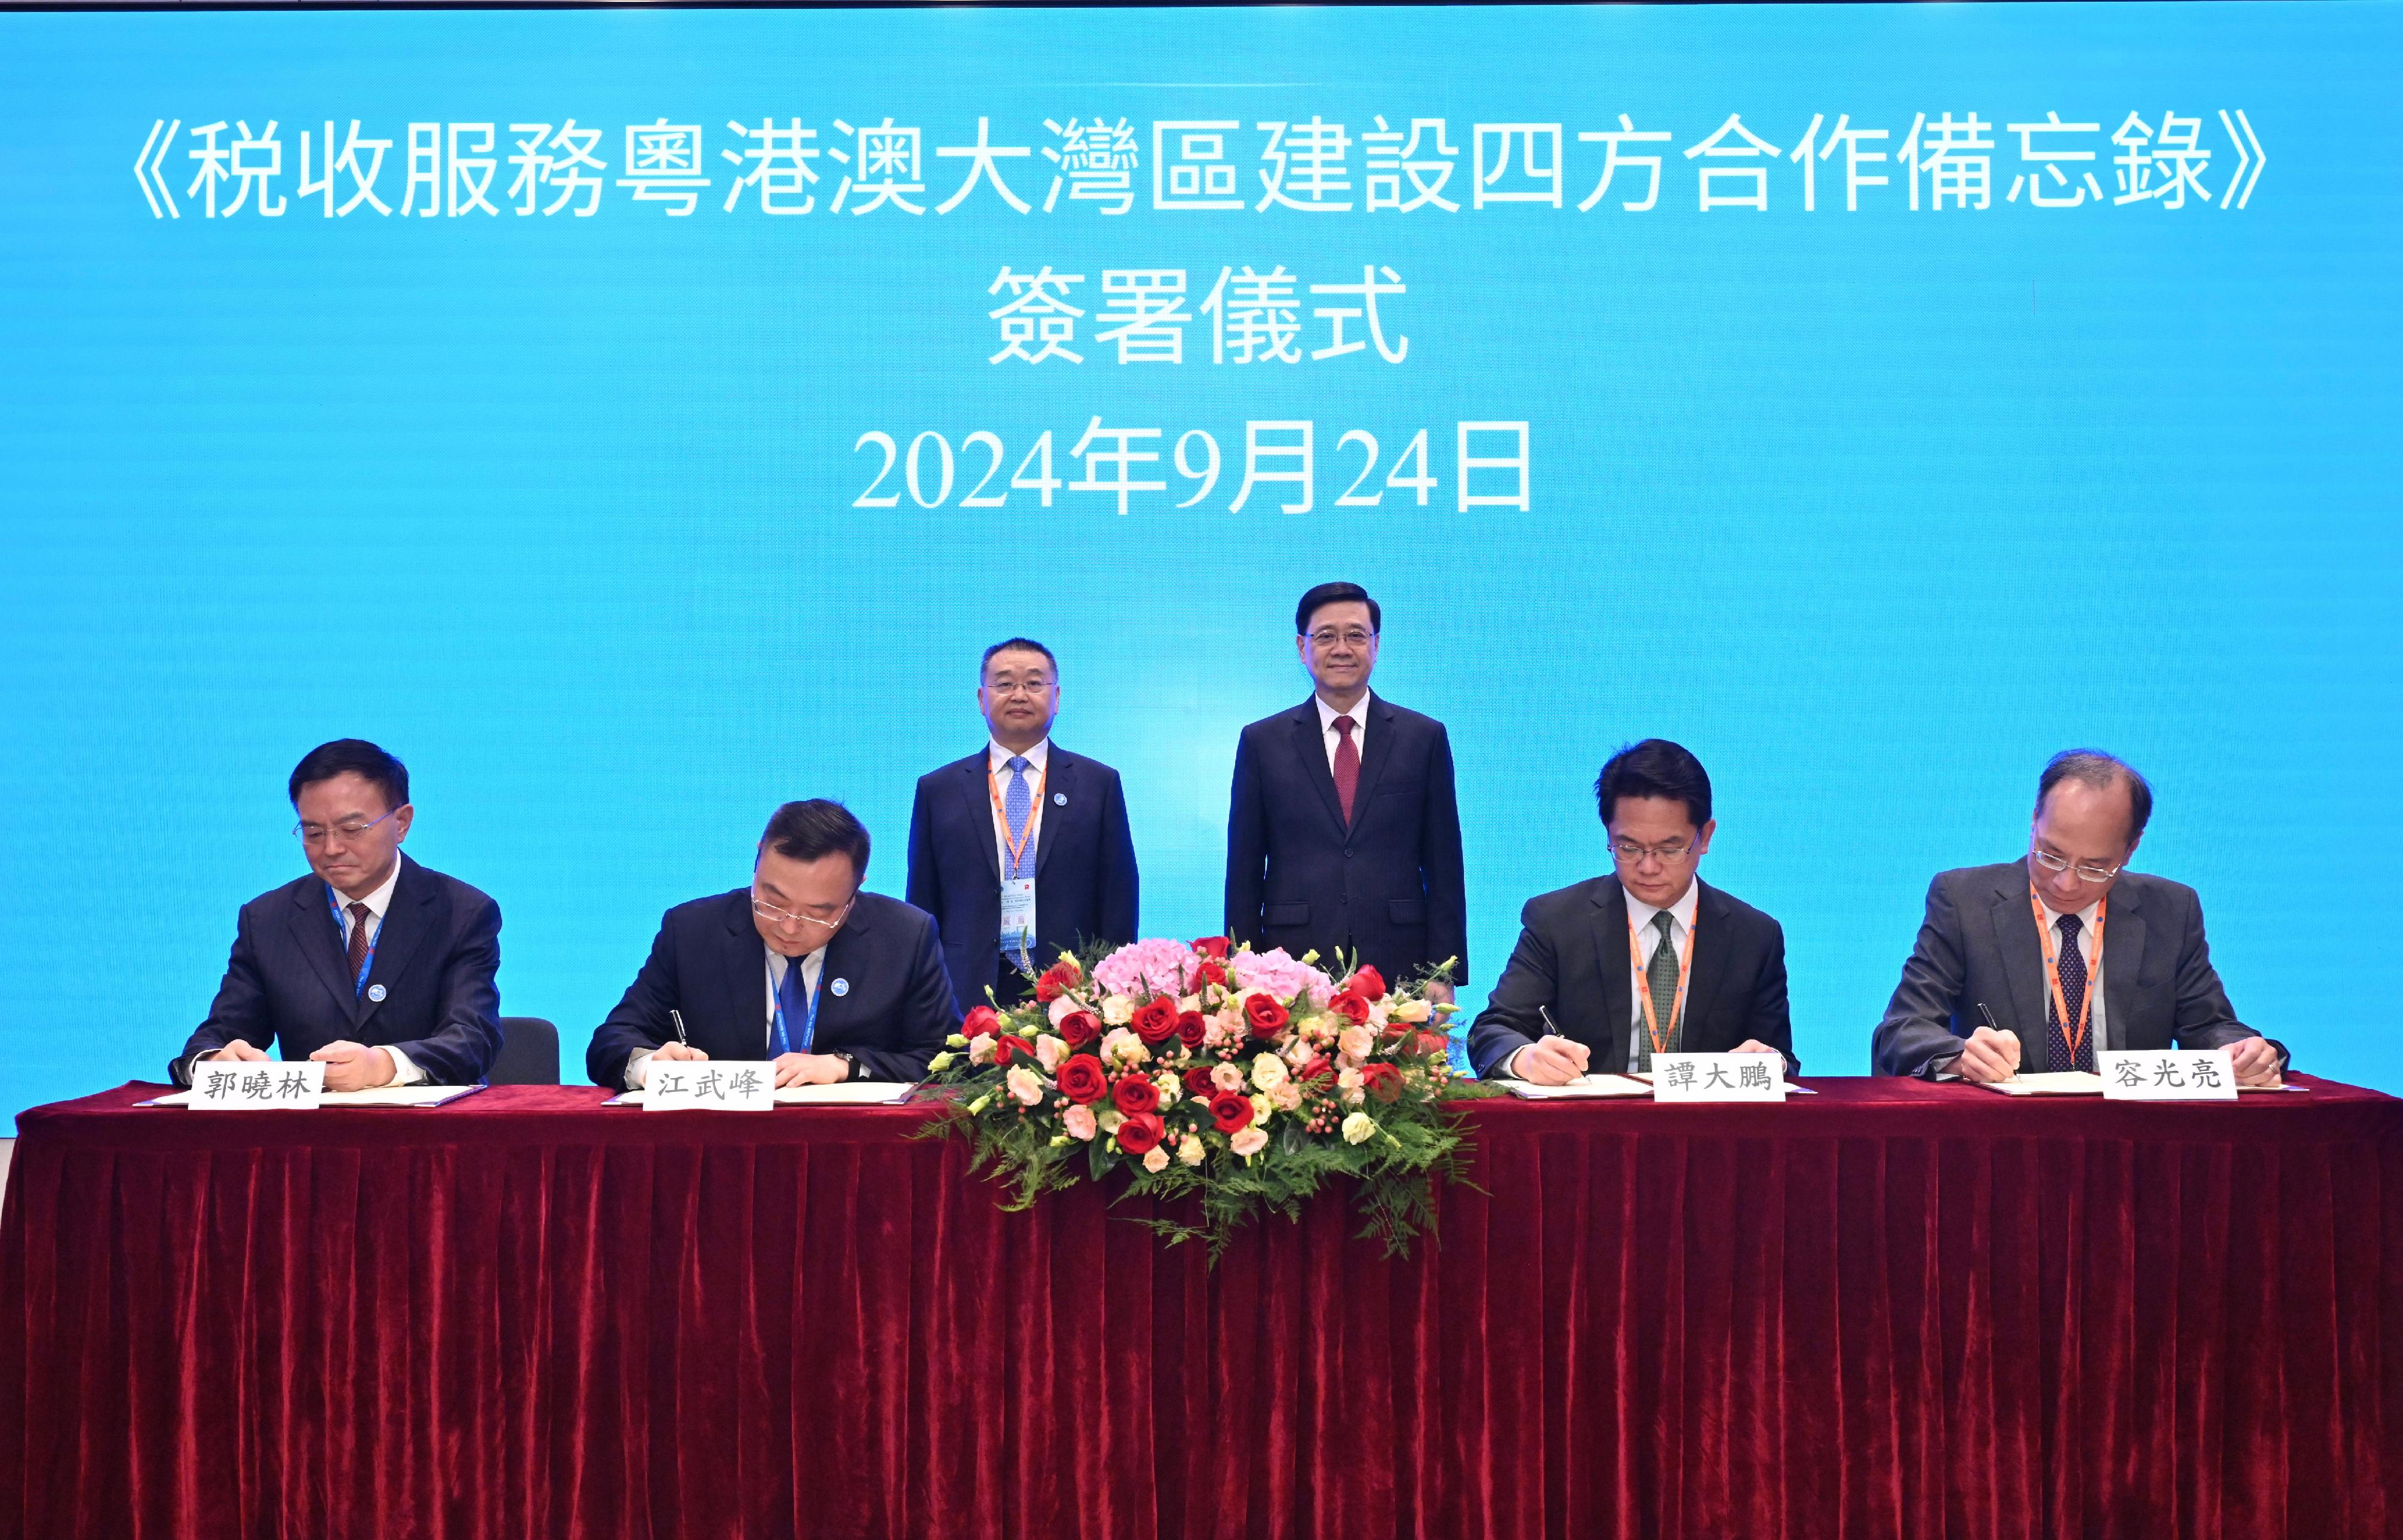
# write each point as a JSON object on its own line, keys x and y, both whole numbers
{"x": 1268, "y": 1072}
{"x": 1226, "y": 1077}
{"x": 1171, "y": 1088}
{"x": 1121, "y": 1048}
{"x": 981, "y": 1051}
{"x": 1356, "y": 1041}
{"x": 1026, "y": 1085}
{"x": 1109, "y": 1120}
{"x": 1050, "y": 1051}
{"x": 1190, "y": 1152}
{"x": 1155, "y": 1160}
{"x": 1248, "y": 1141}
{"x": 1359, "y": 1129}
{"x": 1117, "y": 1010}
{"x": 1413, "y": 1011}
{"x": 1263, "y": 1106}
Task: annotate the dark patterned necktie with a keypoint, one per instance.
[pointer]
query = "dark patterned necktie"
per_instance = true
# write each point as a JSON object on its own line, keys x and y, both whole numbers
{"x": 359, "y": 916}
{"x": 1661, "y": 983}
{"x": 2073, "y": 995}
{"x": 1347, "y": 767}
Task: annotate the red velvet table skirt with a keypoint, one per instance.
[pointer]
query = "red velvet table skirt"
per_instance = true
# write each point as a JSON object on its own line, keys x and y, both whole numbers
{"x": 1890, "y": 1310}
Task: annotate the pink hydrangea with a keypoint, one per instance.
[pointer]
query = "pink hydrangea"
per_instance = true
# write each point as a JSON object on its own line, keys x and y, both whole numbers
{"x": 1280, "y": 975}
{"x": 1157, "y": 967}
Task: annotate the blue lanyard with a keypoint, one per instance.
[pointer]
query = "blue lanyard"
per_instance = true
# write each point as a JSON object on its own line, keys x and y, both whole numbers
{"x": 375, "y": 938}
{"x": 776, "y": 1003}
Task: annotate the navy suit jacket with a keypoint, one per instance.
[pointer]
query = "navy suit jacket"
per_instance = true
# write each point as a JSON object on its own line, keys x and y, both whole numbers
{"x": 1572, "y": 960}
{"x": 1085, "y": 884}
{"x": 288, "y": 982}
{"x": 883, "y": 997}
{"x": 1979, "y": 946}
{"x": 1390, "y": 885}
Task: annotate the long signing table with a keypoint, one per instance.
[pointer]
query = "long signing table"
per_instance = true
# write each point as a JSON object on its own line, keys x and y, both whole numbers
{"x": 1888, "y": 1309}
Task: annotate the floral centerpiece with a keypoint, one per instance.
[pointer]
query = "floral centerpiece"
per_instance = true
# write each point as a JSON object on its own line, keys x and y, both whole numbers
{"x": 1246, "y": 1080}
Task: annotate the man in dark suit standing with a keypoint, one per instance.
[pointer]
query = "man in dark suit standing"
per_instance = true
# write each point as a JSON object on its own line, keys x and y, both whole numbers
{"x": 1342, "y": 829}
{"x": 1020, "y": 850}
{"x": 1649, "y": 960}
{"x": 1998, "y": 980}
{"x": 371, "y": 964}
{"x": 799, "y": 968}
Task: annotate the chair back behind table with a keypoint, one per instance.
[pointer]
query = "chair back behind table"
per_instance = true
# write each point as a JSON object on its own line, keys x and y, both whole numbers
{"x": 529, "y": 1053}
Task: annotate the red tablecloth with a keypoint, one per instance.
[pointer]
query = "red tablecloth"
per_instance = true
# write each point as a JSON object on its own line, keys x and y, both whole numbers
{"x": 1891, "y": 1309}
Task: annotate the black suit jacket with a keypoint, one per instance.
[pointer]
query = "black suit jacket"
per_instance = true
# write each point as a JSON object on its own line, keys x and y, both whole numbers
{"x": 883, "y": 995}
{"x": 288, "y": 982}
{"x": 1979, "y": 946}
{"x": 1390, "y": 885}
{"x": 1085, "y": 888}
{"x": 1572, "y": 960}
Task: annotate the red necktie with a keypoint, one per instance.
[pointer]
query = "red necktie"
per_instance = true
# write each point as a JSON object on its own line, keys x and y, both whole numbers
{"x": 359, "y": 916}
{"x": 1347, "y": 767}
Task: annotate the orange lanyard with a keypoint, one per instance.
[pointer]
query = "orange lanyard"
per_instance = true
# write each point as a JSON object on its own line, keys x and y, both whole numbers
{"x": 1685, "y": 971}
{"x": 1034, "y": 810}
{"x": 2052, "y": 971}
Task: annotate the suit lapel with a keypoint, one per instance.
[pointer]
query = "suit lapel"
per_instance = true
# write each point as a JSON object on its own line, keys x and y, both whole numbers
{"x": 1310, "y": 741}
{"x": 1372, "y": 764}
{"x": 406, "y": 922}
{"x": 743, "y": 976}
{"x": 2123, "y": 939}
{"x": 1709, "y": 969}
{"x": 976, "y": 788}
{"x": 1610, "y": 953}
{"x": 319, "y": 937}
{"x": 1060, "y": 781}
{"x": 2023, "y": 954}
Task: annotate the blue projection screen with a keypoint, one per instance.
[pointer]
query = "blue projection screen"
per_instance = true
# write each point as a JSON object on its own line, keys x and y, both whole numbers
{"x": 636, "y": 419}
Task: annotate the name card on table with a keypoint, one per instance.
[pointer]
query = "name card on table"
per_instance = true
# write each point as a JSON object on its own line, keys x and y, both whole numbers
{"x": 1718, "y": 1078}
{"x": 238, "y": 1086}
{"x": 2167, "y": 1075}
{"x": 709, "y": 1085}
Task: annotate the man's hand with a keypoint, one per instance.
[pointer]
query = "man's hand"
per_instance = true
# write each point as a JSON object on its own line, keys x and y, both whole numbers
{"x": 809, "y": 1069}
{"x": 1438, "y": 992}
{"x": 2256, "y": 1062}
{"x": 355, "y": 1066}
{"x": 1550, "y": 1061}
{"x": 1989, "y": 1056}
{"x": 235, "y": 1052}
{"x": 677, "y": 1050}
{"x": 1754, "y": 1044}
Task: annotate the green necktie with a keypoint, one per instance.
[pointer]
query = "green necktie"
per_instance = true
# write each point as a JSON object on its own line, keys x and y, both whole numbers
{"x": 1660, "y": 978}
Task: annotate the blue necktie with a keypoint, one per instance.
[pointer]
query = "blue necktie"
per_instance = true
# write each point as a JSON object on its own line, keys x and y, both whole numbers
{"x": 794, "y": 995}
{"x": 1018, "y": 805}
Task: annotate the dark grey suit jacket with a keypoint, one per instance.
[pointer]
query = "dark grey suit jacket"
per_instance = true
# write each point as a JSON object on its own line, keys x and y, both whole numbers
{"x": 1979, "y": 946}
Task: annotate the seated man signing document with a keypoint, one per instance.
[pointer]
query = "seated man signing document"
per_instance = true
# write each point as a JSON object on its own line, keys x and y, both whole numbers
{"x": 371, "y": 964}
{"x": 2004, "y": 977}
{"x": 1648, "y": 960}
{"x": 800, "y": 968}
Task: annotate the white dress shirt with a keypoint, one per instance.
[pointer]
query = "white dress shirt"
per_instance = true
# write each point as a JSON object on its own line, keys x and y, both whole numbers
{"x": 813, "y": 967}
{"x": 2094, "y": 1023}
{"x": 1648, "y": 941}
{"x": 404, "y": 1070}
{"x": 1326, "y": 715}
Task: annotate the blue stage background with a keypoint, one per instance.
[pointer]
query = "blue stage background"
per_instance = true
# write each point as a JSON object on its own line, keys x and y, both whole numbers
{"x": 1873, "y": 510}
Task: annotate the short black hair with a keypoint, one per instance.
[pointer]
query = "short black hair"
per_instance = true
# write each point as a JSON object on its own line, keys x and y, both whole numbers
{"x": 1655, "y": 767}
{"x": 814, "y": 829}
{"x": 351, "y": 757}
{"x": 1017, "y": 643}
{"x": 2101, "y": 771}
{"x": 1335, "y": 593}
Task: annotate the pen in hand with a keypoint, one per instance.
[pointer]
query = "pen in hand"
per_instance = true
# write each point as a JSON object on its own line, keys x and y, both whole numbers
{"x": 677, "y": 1017}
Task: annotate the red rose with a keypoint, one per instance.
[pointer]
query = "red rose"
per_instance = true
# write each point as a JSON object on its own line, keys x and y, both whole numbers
{"x": 1197, "y": 1081}
{"x": 1265, "y": 1017}
{"x": 1231, "y": 1111}
{"x": 1077, "y": 1027}
{"x": 1006, "y": 1047}
{"x": 1192, "y": 1027}
{"x": 981, "y": 1021}
{"x": 1212, "y": 946}
{"x": 1142, "y": 1132}
{"x": 1320, "y": 1068}
{"x": 1432, "y": 1043}
{"x": 1154, "y": 1019}
{"x": 1367, "y": 983}
{"x": 1134, "y": 1094}
{"x": 1049, "y": 987}
{"x": 1082, "y": 1079}
{"x": 1209, "y": 973}
{"x": 1352, "y": 1007}
{"x": 1381, "y": 1081}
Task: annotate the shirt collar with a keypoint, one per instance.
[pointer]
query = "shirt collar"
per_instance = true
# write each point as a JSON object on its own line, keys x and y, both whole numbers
{"x": 2085, "y": 916}
{"x": 997, "y": 759}
{"x": 1639, "y": 913}
{"x": 378, "y": 901}
{"x": 1327, "y": 713}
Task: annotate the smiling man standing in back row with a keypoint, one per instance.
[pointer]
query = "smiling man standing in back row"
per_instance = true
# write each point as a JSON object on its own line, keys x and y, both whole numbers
{"x": 1998, "y": 981}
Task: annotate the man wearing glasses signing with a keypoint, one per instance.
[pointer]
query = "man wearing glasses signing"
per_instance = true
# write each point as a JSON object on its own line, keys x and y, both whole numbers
{"x": 374, "y": 965}
{"x": 1611, "y": 972}
{"x": 2038, "y": 964}
{"x": 799, "y": 968}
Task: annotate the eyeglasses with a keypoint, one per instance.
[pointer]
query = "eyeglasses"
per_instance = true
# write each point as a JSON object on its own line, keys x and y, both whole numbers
{"x": 1022, "y": 687}
{"x": 761, "y": 907}
{"x": 315, "y": 834}
{"x": 1670, "y": 853}
{"x": 1355, "y": 637}
{"x": 2087, "y": 871}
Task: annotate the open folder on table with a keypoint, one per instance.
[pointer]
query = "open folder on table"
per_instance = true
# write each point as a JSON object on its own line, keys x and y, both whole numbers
{"x": 842, "y": 1093}
{"x": 375, "y": 1096}
{"x": 1583, "y": 1086}
{"x": 2049, "y": 1083}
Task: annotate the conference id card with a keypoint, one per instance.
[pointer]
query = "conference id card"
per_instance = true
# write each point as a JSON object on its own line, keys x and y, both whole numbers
{"x": 2166, "y": 1074}
{"x": 709, "y": 1085}
{"x": 256, "y": 1086}
{"x": 1718, "y": 1078}
{"x": 1017, "y": 914}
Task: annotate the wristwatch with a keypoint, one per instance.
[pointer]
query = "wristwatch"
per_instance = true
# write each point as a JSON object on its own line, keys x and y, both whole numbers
{"x": 851, "y": 1067}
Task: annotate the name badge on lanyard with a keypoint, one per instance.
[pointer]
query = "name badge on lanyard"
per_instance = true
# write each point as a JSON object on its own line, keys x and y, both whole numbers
{"x": 1017, "y": 914}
